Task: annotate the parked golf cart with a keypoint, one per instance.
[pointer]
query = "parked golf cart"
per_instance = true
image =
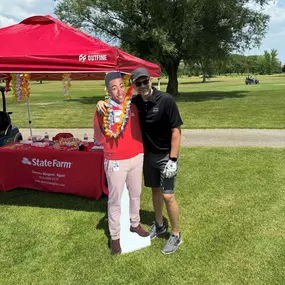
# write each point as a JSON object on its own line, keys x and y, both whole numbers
{"x": 8, "y": 133}
{"x": 250, "y": 80}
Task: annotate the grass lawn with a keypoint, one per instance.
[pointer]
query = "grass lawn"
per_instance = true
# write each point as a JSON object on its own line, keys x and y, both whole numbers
{"x": 222, "y": 102}
{"x": 232, "y": 204}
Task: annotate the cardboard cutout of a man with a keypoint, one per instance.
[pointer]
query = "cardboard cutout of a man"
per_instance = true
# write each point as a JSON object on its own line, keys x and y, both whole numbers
{"x": 123, "y": 151}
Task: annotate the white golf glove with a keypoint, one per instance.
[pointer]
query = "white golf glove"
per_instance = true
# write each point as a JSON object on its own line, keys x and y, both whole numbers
{"x": 170, "y": 169}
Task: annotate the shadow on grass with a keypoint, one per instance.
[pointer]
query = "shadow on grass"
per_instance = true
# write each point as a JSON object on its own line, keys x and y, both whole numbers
{"x": 40, "y": 199}
{"x": 182, "y": 97}
{"x": 209, "y": 95}
{"x": 188, "y": 82}
{"x": 37, "y": 82}
{"x": 87, "y": 100}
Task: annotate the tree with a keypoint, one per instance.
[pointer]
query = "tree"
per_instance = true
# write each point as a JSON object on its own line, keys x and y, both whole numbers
{"x": 272, "y": 63}
{"x": 251, "y": 62}
{"x": 283, "y": 68}
{"x": 238, "y": 63}
{"x": 168, "y": 31}
{"x": 275, "y": 63}
{"x": 268, "y": 64}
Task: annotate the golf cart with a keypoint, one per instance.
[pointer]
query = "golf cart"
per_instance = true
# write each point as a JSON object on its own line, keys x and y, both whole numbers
{"x": 250, "y": 80}
{"x": 8, "y": 133}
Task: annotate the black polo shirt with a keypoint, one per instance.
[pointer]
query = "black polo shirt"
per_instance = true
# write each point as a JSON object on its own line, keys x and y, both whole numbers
{"x": 157, "y": 116}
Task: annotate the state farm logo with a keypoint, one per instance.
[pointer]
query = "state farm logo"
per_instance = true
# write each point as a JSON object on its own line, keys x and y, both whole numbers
{"x": 92, "y": 57}
{"x": 26, "y": 161}
{"x": 46, "y": 163}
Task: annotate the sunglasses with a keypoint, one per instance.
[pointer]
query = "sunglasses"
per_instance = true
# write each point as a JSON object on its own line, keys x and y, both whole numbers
{"x": 139, "y": 84}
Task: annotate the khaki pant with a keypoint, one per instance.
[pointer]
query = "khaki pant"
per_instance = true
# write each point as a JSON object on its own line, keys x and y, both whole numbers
{"x": 119, "y": 172}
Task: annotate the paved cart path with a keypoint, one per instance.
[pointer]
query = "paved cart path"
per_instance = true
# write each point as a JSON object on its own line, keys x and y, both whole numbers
{"x": 199, "y": 137}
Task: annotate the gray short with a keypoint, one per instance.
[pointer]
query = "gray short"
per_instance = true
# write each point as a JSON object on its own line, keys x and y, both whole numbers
{"x": 153, "y": 167}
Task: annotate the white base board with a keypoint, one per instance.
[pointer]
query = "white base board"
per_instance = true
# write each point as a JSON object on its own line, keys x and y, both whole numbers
{"x": 129, "y": 241}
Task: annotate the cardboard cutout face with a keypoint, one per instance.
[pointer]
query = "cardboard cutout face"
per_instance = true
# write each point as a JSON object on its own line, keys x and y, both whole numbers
{"x": 119, "y": 102}
{"x": 116, "y": 87}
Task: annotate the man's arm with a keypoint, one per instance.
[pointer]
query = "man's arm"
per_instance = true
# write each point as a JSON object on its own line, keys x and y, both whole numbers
{"x": 175, "y": 122}
{"x": 175, "y": 142}
{"x": 101, "y": 107}
{"x": 171, "y": 166}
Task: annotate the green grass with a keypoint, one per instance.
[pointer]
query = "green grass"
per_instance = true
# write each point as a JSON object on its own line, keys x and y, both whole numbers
{"x": 222, "y": 102}
{"x": 232, "y": 204}
{"x": 226, "y": 102}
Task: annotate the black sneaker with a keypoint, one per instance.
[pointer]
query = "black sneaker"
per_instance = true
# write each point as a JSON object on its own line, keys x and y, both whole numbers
{"x": 172, "y": 244}
{"x": 156, "y": 230}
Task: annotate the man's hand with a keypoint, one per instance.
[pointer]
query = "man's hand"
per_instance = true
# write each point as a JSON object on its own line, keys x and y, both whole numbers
{"x": 170, "y": 169}
{"x": 101, "y": 107}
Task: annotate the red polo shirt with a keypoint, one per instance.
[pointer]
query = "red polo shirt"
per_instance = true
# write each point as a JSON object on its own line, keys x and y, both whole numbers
{"x": 129, "y": 142}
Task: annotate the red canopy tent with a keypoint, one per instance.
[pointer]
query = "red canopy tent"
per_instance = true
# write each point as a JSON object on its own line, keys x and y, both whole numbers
{"x": 46, "y": 48}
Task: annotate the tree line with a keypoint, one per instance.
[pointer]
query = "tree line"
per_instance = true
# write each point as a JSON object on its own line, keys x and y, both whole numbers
{"x": 265, "y": 64}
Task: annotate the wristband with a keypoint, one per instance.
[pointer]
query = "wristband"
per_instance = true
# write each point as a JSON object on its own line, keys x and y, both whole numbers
{"x": 173, "y": 158}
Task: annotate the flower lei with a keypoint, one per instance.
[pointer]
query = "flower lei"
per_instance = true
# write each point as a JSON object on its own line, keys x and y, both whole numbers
{"x": 66, "y": 84}
{"x": 25, "y": 89}
{"x": 20, "y": 86}
{"x": 109, "y": 116}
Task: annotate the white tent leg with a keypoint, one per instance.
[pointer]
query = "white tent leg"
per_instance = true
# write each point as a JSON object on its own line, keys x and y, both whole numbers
{"x": 29, "y": 116}
{"x": 158, "y": 84}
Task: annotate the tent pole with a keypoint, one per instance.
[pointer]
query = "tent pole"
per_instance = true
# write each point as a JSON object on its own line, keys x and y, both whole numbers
{"x": 158, "y": 84}
{"x": 29, "y": 116}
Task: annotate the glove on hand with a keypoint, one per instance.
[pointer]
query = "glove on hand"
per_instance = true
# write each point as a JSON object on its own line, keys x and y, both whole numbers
{"x": 170, "y": 169}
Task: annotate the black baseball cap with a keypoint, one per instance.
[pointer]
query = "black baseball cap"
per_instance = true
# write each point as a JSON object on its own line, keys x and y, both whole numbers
{"x": 139, "y": 72}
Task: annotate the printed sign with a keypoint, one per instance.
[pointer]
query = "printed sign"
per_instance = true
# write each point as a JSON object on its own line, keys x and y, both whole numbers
{"x": 46, "y": 163}
{"x": 92, "y": 57}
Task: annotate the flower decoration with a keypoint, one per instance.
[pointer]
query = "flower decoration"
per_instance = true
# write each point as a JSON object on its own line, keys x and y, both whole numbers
{"x": 20, "y": 86}
{"x": 126, "y": 79}
{"x": 16, "y": 86}
{"x": 66, "y": 81}
{"x": 109, "y": 115}
{"x": 25, "y": 89}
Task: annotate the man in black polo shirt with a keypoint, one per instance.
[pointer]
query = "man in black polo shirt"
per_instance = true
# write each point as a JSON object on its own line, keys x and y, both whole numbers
{"x": 160, "y": 122}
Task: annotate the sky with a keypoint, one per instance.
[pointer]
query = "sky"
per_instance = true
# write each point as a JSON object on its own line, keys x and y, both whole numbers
{"x": 13, "y": 11}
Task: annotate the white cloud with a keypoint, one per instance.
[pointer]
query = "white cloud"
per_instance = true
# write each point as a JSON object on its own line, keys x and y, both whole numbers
{"x": 21, "y": 9}
{"x": 276, "y": 30}
{"x": 4, "y": 21}
{"x": 276, "y": 11}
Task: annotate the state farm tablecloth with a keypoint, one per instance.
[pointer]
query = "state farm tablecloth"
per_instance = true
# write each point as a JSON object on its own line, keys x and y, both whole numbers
{"x": 74, "y": 172}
